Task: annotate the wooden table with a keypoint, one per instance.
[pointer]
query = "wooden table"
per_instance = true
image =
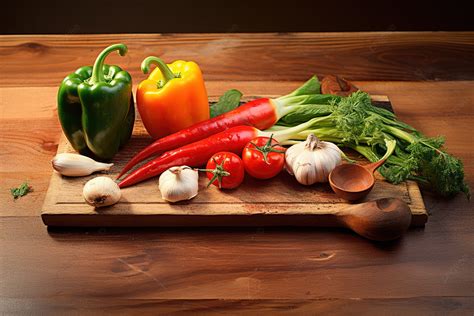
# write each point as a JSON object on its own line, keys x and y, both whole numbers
{"x": 430, "y": 80}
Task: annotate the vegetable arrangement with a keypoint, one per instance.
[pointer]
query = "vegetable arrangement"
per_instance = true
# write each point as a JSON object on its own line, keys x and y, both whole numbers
{"x": 196, "y": 154}
{"x": 261, "y": 113}
{"x": 96, "y": 110}
{"x": 355, "y": 123}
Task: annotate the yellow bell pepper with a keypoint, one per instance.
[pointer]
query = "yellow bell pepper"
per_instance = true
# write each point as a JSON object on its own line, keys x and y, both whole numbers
{"x": 173, "y": 97}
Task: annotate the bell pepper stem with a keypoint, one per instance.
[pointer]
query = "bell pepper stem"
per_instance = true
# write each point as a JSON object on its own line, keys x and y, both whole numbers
{"x": 98, "y": 69}
{"x": 165, "y": 70}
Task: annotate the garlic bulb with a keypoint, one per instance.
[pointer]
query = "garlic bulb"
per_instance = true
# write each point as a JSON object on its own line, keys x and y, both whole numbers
{"x": 75, "y": 165}
{"x": 101, "y": 191}
{"x": 312, "y": 161}
{"x": 178, "y": 184}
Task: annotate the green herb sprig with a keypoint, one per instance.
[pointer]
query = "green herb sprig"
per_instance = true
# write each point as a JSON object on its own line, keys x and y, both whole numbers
{"x": 227, "y": 102}
{"x": 20, "y": 191}
{"x": 355, "y": 123}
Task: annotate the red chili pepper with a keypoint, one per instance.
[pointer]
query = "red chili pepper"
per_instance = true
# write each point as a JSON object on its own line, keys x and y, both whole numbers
{"x": 195, "y": 154}
{"x": 198, "y": 153}
{"x": 260, "y": 113}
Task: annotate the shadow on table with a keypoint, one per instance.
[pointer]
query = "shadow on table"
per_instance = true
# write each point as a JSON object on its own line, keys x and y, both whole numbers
{"x": 320, "y": 234}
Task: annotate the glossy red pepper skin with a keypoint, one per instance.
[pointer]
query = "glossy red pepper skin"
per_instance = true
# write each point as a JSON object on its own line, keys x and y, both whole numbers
{"x": 260, "y": 113}
{"x": 195, "y": 154}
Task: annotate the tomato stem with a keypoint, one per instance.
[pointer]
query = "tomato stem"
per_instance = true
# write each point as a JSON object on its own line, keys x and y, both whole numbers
{"x": 218, "y": 173}
{"x": 267, "y": 148}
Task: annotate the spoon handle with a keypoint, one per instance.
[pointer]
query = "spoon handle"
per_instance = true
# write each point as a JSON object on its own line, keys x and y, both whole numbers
{"x": 380, "y": 220}
{"x": 371, "y": 167}
{"x": 391, "y": 144}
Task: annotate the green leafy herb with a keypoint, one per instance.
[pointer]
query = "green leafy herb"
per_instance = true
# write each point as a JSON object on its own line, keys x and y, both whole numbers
{"x": 22, "y": 190}
{"x": 312, "y": 86}
{"x": 354, "y": 122}
{"x": 304, "y": 113}
{"x": 227, "y": 102}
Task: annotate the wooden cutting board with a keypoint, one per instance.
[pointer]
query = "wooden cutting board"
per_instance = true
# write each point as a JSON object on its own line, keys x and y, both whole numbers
{"x": 277, "y": 202}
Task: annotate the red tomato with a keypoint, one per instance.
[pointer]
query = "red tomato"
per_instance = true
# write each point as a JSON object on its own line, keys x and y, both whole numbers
{"x": 225, "y": 170}
{"x": 263, "y": 158}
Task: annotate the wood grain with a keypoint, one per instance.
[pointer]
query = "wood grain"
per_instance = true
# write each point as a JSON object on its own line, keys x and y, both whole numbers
{"x": 333, "y": 306}
{"x": 257, "y": 264}
{"x": 246, "y": 271}
{"x": 368, "y": 56}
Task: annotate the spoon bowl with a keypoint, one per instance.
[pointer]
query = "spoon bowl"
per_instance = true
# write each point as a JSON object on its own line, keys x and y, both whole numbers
{"x": 353, "y": 182}
{"x": 380, "y": 220}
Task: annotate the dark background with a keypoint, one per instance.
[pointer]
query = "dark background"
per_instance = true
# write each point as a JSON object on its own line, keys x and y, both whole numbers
{"x": 175, "y": 16}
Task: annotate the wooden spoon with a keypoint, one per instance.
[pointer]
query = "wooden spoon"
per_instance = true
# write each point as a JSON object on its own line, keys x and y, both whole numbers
{"x": 353, "y": 182}
{"x": 337, "y": 85}
{"x": 380, "y": 220}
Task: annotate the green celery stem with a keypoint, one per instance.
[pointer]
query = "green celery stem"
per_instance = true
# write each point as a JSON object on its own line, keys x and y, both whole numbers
{"x": 391, "y": 144}
{"x": 165, "y": 70}
{"x": 291, "y": 132}
{"x": 98, "y": 69}
{"x": 400, "y": 133}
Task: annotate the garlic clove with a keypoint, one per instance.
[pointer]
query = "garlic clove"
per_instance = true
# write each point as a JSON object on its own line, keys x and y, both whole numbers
{"x": 75, "y": 165}
{"x": 178, "y": 184}
{"x": 290, "y": 155}
{"x": 101, "y": 191}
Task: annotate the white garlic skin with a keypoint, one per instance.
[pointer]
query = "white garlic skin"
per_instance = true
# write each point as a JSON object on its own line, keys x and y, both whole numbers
{"x": 178, "y": 184}
{"x": 75, "y": 165}
{"x": 101, "y": 191}
{"x": 312, "y": 161}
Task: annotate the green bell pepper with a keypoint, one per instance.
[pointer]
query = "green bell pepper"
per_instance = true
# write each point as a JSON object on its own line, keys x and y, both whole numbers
{"x": 96, "y": 107}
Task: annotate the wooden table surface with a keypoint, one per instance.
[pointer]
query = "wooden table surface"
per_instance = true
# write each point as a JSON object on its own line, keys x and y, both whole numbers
{"x": 430, "y": 80}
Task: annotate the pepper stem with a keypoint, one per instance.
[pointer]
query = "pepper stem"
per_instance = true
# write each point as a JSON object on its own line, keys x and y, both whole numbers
{"x": 98, "y": 69}
{"x": 165, "y": 70}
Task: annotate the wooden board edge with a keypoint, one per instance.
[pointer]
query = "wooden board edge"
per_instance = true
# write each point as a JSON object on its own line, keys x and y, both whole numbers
{"x": 256, "y": 220}
{"x": 418, "y": 209}
{"x": 231, "y": 220}
{"x": 50, "y": 198}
